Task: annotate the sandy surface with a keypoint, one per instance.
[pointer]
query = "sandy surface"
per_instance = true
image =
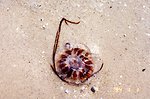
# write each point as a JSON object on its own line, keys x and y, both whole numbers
{"x": 117, "y": 31}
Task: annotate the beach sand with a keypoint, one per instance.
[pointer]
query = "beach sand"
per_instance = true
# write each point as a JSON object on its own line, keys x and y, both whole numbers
{"x": 115, "y": 31}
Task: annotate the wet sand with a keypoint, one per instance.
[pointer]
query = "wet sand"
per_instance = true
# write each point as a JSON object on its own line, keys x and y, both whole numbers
{"x": 116, "y": 31}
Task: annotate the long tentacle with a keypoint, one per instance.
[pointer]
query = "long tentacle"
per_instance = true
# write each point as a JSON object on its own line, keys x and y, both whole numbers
{"x": 57, "y": 40}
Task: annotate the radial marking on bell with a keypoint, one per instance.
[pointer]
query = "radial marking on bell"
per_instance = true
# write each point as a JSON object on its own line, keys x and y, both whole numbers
{"x": 62, "y": 65}
{"x": 75, "y": 65}
{"x": 68, "y": 52}
{"x": 89, "y": 67}
{"x": 80, "y": 51}
{"x": 81, "y": 56}
{"x": 63, "y": 56}
{"x": 88, "y": 62}
{"x": 69, "y": 73}
{"x": 81, "y": 76}
{"x": 75, "y": 75}
{"x": 75, "y": 50}
{"x": 86, "y": 54}
{"x": 61, "y": 61}
{"x": 65, "y": 70}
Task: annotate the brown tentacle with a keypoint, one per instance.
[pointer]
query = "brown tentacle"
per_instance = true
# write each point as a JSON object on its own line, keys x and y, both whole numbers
{"x": 57, "y": 40}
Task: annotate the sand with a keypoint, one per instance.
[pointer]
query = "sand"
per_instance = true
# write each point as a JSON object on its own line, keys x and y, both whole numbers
{"x": 116, "y": 31}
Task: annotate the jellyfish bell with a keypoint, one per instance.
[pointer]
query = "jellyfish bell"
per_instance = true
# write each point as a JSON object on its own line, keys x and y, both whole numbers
{"x": 75, "y": 63}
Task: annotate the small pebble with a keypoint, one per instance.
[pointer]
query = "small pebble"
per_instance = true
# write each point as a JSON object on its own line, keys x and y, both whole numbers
{"x": 82, "y": 89}
{"x": 119, "y": 83}
{"x": 144, "y": 6}
{"x": 94, "y": 89}
{"x": 125, "y": 4}
{"x": 67, "y": 46}
{"x": 7, "y": 9}
{"x": 67, "y": 91}
{"x": 43, "y": 52}
{"x": 43, "y": 27}
{"x": 129, "y": 27}
{"x": 120, "y": 76}
{"x": 143, "y": 70}
{"x": 142, "y": 18}
{"x": 126, "y": 49}
{"x": 124, "y": 35}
